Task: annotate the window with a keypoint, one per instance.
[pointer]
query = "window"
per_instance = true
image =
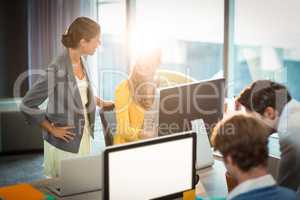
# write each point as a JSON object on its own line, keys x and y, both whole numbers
{"x": 112, "y": 57}
{"x": 266, "y": 44}
{"x": 189, "y": 32}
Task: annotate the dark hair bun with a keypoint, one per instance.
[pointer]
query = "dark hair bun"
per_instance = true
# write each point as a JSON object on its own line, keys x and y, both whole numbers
{"x": 81, "y": 28}
{"x": 67, "y": 41}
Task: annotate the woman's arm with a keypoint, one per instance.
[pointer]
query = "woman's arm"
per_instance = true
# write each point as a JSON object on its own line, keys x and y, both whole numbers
{"x": 106, "y": 105}
{"x": 35, "y": 97}
{"x": 125, "y": 129}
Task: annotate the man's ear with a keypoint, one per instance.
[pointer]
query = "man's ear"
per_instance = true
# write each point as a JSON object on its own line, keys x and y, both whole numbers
{"x": 228, "y": 160}
{"x": 270, "y": 113}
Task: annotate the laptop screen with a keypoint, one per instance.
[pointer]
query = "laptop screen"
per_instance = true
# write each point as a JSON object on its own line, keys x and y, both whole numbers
{"x": 151, "y": 169}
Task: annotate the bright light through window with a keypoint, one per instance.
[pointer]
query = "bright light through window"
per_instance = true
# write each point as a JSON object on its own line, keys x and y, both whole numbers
{"x": 267, "y": 44}
{"x": 189, "y": 32}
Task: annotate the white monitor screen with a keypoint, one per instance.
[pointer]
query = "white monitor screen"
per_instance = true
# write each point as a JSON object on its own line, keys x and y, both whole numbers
{"x": 152, "y": 170}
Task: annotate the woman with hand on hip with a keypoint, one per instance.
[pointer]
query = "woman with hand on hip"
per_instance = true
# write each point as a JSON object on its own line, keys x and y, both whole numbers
{"x": 68, "y": 121}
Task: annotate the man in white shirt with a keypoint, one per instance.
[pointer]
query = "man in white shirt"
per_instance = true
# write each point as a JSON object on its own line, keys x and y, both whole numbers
{"x": 242, "y": 140}
{"x": 272, "y": 103}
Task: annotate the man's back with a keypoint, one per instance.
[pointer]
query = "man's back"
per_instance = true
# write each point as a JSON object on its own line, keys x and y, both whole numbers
{"x": 288, "y": 124}
{"x": 289, "y": 134}
{"x": 268, "y": 193}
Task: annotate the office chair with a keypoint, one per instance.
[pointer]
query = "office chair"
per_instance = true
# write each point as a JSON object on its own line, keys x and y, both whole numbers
{"x": 108, "y": 121}
{"x": 170, "y": 78}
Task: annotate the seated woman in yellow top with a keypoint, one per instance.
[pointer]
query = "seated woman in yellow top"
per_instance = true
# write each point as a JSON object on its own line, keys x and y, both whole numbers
{"x": 134, "y": 97}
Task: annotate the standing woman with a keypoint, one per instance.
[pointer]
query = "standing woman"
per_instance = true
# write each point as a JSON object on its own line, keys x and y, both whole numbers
{"x": 68, "y": 121}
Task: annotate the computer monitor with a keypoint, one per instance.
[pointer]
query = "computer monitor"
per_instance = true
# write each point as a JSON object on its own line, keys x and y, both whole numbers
{"x": 181, "y": 104}
{"x": 157, "y": 168}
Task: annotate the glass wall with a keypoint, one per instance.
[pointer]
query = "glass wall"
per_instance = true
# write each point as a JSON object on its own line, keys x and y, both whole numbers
{"x": 112, "y": 57}
{"x": 266, "y": 44}
{"x": 189, "y": 32}
{"x": 266, "y": 40}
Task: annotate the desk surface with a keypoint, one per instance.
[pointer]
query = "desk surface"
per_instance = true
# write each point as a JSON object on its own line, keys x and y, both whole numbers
{"x": 213, "y": 179}
{"x": 212, "y": 183}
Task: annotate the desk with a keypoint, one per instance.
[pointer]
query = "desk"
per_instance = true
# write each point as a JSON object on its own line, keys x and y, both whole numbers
{"x": 212, "y": 183}
{"x": 213, "y": 180}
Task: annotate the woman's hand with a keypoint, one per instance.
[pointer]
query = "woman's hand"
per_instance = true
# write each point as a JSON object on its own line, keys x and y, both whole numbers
{"x": 146, "y": 134}
{"x": 59, "y": 132}
{"x": 103, "y": 104}
{"x": 62, "y": 132}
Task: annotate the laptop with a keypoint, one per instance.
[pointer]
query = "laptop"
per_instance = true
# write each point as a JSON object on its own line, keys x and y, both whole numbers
{"x": 79, "y": 175}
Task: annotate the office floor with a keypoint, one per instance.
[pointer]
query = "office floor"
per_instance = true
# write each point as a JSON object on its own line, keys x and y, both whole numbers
{"x": 21, "y": 168}
{"x": 29, "y": 167}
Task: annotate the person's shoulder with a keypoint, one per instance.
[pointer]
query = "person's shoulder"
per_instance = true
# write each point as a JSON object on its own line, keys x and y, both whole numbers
{"x": 122, "y": 96}
{"x": 122, "y": 87}
{"x": 273, "y": 192}
{"x": 60, "y": 60}
{"x": 286, "y": 193}
{"x": 295, "y": 108}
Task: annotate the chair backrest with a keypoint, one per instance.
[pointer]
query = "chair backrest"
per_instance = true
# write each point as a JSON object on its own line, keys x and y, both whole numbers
{"x": 169, "y": 78}
{"x": 108, "y": 120}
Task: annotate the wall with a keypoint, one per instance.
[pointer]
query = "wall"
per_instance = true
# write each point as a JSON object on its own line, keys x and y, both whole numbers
{"x": 13, "y": 44}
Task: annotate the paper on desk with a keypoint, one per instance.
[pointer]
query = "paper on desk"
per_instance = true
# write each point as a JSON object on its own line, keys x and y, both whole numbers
{"x": 198, "y": 125}
{"x": 204, "y": 155}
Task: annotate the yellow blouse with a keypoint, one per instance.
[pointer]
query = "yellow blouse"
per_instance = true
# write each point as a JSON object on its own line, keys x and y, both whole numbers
{"x": 129, "y": 115}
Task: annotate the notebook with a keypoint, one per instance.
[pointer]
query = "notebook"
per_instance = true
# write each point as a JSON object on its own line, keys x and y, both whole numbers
{"x": 21, "y": 191}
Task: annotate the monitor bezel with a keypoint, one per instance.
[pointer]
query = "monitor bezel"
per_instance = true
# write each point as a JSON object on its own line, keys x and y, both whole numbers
{"x": 168, "y": 138}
